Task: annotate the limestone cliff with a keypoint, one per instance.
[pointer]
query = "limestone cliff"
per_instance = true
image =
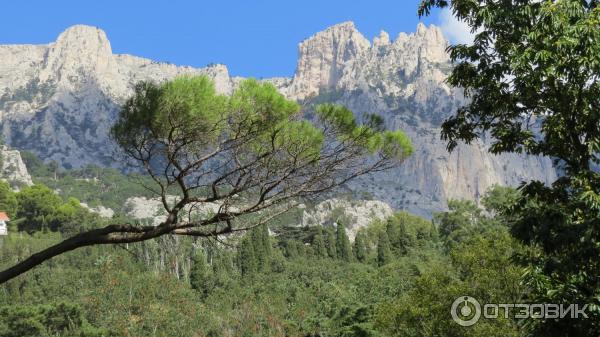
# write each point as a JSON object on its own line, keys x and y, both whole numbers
{"x": 60, "y": 99}
{"x": 403, "y": 80}
{"x": 13, "y": 169}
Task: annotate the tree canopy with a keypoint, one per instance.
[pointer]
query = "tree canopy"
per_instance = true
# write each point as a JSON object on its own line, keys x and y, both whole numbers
{"x": 532, "y": 79}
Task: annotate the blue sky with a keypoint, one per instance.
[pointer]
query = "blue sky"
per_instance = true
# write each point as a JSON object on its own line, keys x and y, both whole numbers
{"x": 253, "y": 38}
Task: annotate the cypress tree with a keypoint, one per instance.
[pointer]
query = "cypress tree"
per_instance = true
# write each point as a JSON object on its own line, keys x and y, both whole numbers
{"x": 392, "y": 231}
{"x": 330, "y": 244}
{"x": 360, "y": 247}
{"x": 200, "y": 274}
{"x": 433, "y": 232}
{"x": 398, "y": 236}
{"x": 262, "y": 246}
{"x": 223, "y": 262}
{"x": 291, "y": 249}
{"x": 342, "y": 243}
{"x": 319, "y": 244}
{"x": 384, "y": 253}
{"x": 247, "y": 257}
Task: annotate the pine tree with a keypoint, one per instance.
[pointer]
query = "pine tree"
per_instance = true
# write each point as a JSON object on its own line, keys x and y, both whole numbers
{"x": 343, "y": 249}
{"x": 360, "y": 247}
{"x": 330, "y": 244}
{"x": 318, "y": 243}
{"x": 8, "y": 200}
{"x": 384, "y": 253}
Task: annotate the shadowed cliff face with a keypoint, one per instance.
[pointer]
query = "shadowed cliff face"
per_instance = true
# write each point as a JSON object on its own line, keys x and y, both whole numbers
{"x": 59, "y": 101}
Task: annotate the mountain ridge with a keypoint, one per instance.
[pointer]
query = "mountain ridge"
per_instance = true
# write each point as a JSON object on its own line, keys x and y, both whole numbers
{"x": 60, "y": 99}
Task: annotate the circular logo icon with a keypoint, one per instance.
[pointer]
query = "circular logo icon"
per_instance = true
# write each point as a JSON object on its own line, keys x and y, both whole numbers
{"x": 466, "y": 311}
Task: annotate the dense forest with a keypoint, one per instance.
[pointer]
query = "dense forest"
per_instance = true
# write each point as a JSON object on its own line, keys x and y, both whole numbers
{"x": 397, "y": 278}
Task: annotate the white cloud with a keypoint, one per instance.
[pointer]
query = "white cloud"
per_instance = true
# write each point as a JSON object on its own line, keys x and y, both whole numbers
{"x": 456, "y": 31}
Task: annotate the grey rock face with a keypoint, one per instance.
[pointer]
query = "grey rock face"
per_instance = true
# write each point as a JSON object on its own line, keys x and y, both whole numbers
{"x": 12, "y": 168}
{"x": 403, "y": 81}
{"x": 324, "y": 57}
{"x": 59, "y": 101}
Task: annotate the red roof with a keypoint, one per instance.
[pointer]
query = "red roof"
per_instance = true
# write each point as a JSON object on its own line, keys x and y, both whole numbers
{"x": 4, "y": 216}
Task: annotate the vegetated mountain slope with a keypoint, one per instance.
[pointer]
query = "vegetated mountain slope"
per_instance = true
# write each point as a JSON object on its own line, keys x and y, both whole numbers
{"x": 59, "y": 101}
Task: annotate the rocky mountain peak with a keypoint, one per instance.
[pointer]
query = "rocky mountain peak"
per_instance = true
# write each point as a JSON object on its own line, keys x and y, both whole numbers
{"x": 84, "y": 37}
{"x": 382, "y": 40}
{"x": 79, "y": 54}
{"x": 341, "y": 58}
{"x": 323, "y": 57}
{"x": 434, "y": 43}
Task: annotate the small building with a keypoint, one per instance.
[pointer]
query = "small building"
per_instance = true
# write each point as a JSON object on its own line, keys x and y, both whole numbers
{"x": 4, "y": 219}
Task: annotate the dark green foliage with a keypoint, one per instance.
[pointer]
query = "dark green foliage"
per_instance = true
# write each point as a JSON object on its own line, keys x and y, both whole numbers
{"x": 8, "y": 200}
{"x": 200, "y": 274}
{"x": 480, "y": 265}
{"x": 262, "y": 246}
{"x": 384, "y": 251}
{"x": 343, "y": 250}
{"x": 247, "y": 257}
{"x": 407, "y": 232}
{"x": 355, "y": 321}
{"x": 532, "y": 76}
{"x": 37, "y": 205}
{"x": 91, "y": 184}
{"x": 294, "y": 249}
{"x": 38, "y": 208}
{"x": 500, "y": 199}
{"x": 462, "y": 215}
{"x": 360, "y": 247}
{"x": 434, "y": 233}
{"x": 398, "y": 236}
{"x": 136, "y": 292}
{"x": 331, "y": 243}
{"x": 46, "y": 320}
{"x": 255, "y": 251}
{"x": 318, "y": 243}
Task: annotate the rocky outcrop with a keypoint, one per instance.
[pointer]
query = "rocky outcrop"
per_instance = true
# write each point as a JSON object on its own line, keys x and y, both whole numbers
{"x": 13, "y": 169}
{"x": 342, "y": 59}
{"x": 59, "y": 101}
{"x": 324, "y": 57}
{"x": 145, "y": 209}
{"x": 354, "y": 214}
{"x": 102, "y": 211}
{"x": 151, "y": 210}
